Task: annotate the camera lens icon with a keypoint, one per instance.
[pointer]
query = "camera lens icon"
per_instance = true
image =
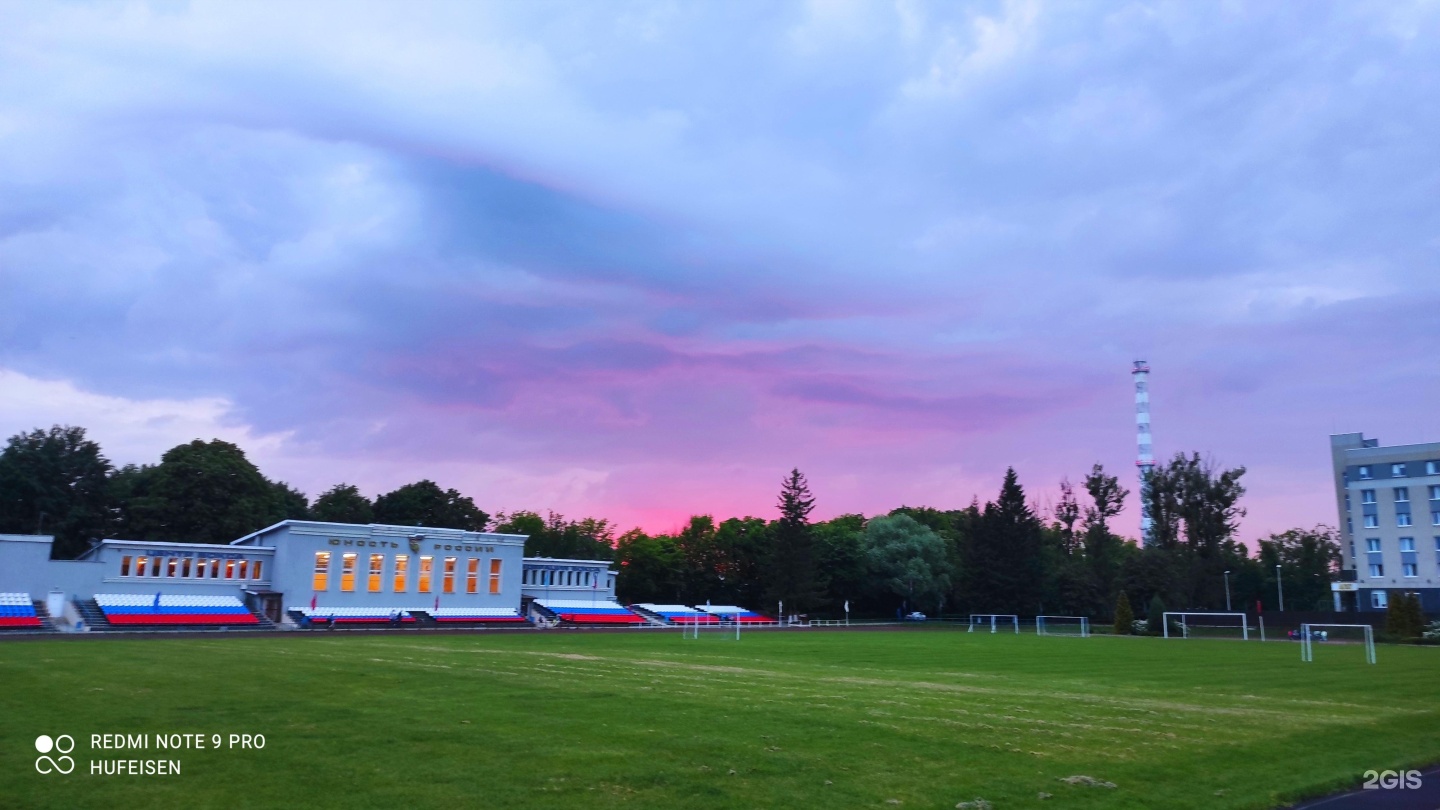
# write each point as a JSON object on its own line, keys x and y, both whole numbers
{"x": 61, "y": 745}
{"x": 44, "y": 744}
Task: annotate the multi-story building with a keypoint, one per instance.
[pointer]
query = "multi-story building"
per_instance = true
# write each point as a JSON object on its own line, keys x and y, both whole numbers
{"x": 1388, "y": 500}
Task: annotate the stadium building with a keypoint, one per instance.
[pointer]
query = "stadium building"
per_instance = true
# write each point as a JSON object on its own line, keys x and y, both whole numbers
{"x": 300, "y": 573}
{"x": 1388, "y": 500}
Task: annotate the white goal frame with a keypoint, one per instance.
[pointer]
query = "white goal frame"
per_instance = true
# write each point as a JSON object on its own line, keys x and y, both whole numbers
{"x": 691, "y": 629}
{"x": 1185, "y": 628}
{"x": 1307, "y": 651}
{"x": 1084, "y": 624}
{"x": 1014, "y": 619}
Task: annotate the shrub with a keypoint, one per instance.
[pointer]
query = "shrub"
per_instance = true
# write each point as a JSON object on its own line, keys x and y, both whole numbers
{"x": 1124, "y": 616}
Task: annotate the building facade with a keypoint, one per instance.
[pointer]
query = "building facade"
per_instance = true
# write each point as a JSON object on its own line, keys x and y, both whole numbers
{"x": 1388, "y": 501}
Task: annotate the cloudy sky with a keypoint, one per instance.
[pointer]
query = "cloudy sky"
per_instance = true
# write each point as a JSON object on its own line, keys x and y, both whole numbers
{"x": 637, "y": 260}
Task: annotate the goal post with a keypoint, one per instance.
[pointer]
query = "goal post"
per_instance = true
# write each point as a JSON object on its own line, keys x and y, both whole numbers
{"x": 994, "y": 621}
{"x": 1185, "y": 625}
{"x": 1062, "y": 626}
{"x": 1310, "y": 633}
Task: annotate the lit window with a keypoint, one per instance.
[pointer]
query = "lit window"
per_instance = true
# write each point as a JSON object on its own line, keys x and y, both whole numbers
{"x": 494, "y": 576}
{"x": 215, "y": 567}
{"x": 1407, "y": 544}
{"x": 125, "y": 566}
{"x": 448, "y": 583}
{"x": 377, "y": 572}
{"x": 427, "y": 567}
{"x": 229, "y": 569}
{"x": 172, "y": 567}
{"x": 1367, "y": 496}
{"x": 322, "y": 571}
{"x": 155, "y": 566}
{"x": 472, "y": 575}
{"x": 347, "y": 571}
{"x": 1372, "y": 544}
{"x": 402, "y": 569}
{"x": 255, "y": 570}
{"x": 1402, "y": 519}
{"x": 244, "y": 569}
{"x": 1402, "y": 494}
{"x": 185, "y": 568}
{"x": 1372, "y": 521}
{"x": 1377, "y": 599}
{"x": 1363, "y": 472}
{"x": 1377, "y": 570}
{"x": 1397, "y": 470}
{"x": 1410, "y": 569}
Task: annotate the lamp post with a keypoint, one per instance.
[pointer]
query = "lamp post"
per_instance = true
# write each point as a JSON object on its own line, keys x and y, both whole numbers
{"x": 1227, "y": 591}
{"x": 1280, "y": 586}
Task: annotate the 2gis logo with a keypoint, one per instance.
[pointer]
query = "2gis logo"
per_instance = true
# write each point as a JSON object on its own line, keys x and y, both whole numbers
{"x": 1392, "y": 780}
{"x": 61, "y": 746}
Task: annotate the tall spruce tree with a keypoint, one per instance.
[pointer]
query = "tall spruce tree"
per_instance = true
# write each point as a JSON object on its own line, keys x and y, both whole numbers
{"x": 1003, "y": 564}
{"x": 792, "y": 555}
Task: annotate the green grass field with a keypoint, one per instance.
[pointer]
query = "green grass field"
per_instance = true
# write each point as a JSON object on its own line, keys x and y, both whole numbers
{"x": 926, "y": 718}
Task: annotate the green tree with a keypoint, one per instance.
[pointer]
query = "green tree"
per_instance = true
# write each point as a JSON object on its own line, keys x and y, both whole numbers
{"x": 743, "y": 546}
{"x": 201, "y": 492}
{"x": 1124, "y": 616}
{"x": 649, "y": 568}
{"x": 1002, "y": 561}
{"x": 1105, "y": 553}
{"x": 1404, "y": 617}
{"x": 1309, "y": 561}
{"x": 1155, "y": 617}
{"x": 1067, "y": 514}
{"x": 907, "y": 561}
{"x": 54, "y": 481}
{"x": 554, "y": 536}
{"x": 424, "y": 503}
{"x": 792, "y": 563}
{"x": 840, "y": 561}
{"x": 343, "y": 503}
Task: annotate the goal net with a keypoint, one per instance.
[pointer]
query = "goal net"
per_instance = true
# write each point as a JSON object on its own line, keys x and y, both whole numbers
{"x": 994, "y": 622}
{"x": 1207, "y": 625}
{"x": 1062, "y": 626}
{"x": 1333, "y": 635}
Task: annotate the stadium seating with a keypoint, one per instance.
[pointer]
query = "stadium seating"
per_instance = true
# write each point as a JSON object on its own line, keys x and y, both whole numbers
{"x": 586, "y": 611}
{"x": 735, "y": 613}
{"x": 679, "y": 614}
{"x": 127, "y": 609}
{"x": 355, "y": 615}
{"x": 17, "y": 611}
{"x": 477, "y": 615}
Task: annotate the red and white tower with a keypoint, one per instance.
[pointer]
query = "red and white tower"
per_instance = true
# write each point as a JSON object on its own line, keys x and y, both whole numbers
{"x": 1146, "y": 460}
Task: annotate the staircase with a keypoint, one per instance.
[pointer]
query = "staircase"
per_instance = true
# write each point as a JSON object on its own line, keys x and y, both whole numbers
{"x": 262, "y": 623}
{"x": 653, "y": 618}
{"x": 542, "y": 615}
{"x": 92, "y": 615}
{"x": 43, "y": 613}
{"x": 423, "y": 619}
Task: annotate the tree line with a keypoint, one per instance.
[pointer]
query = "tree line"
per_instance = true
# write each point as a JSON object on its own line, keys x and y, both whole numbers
{"x": 1003, "y": 556}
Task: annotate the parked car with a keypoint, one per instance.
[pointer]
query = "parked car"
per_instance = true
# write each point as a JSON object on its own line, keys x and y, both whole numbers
{"x": 917, "y": 616}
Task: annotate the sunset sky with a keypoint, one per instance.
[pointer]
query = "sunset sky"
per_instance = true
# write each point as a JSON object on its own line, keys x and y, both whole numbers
{"x": 637, "y": 260}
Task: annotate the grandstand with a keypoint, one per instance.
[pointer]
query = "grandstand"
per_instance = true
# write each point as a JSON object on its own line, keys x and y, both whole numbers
{"x": 589, "y": 611}
{"x": 17, "y": 612}
{"x": 123, "y": 609}
{"x": 675, "y": 614}
{"x": 734, "y": 613}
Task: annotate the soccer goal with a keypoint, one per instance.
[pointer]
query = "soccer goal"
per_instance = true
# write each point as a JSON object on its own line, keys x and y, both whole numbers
{"x": 1338, "y": 633}
{"x": 994, "y": 621}
{"x": 712, "y": 623}
{"x": 1209, "y": 625}
{"x": 1062, "y": 626}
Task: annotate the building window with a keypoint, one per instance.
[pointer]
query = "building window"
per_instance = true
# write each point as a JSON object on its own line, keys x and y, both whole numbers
{"x": 1363, "y": 472}
{"x": 215, "y": 567}
{"x": 1402, "y": 519}
{"x": 255, "y": 570}
{"x": 229, "y": 569}
{"x": 1409, "y": 569}
{"x": 1349, "y": 525}
{"x": 199, "y": 572}
{"x": 244, "y": 569}
{"x": 1347, "y": 502}
{"x": 347, "y": 571}
{"x": 1372, "y": 544}
{"x": 322, "y": 571}
{"x": 1352, "y": 549}
{"x": 172, "y": 567}
{"x": 1372, "y": 521}
{"x": 1407, "y": 544}
{"x": 1402, "y": 494}
{"x": 472, "y": 575}
{"x": 1377, "y": 599}
{"x": 1377, "y": 570}
{"x": 402, "y": 570}
{"x": 185, "y": 568}
{"x": 494, "y": 576}
{"x": 377, "y": 572}
{"x": 447, "y": 582}
{"x": 1367, "y": 496}
{"x": 1432, "y": 468}
{"x": 1397, "y": 470}
{"x": 154, "y": 566}
{"x": 124, "y": 566}
{"x": 1435, "y": 493}
{"x": 427, "y": 566}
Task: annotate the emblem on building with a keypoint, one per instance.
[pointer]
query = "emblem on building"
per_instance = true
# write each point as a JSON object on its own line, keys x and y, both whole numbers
{"x": 415, "y": 542}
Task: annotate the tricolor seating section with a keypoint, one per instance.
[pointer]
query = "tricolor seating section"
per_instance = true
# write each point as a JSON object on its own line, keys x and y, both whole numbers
{"x": 130, "y": 609}
{"x": 355, "y": 615}
{"x": 680, "y": 614}
{"x": 735, "y": 613}
{"x": 476, "y": 615}
{"x": 585, "y": 611}
{"x": 17, "y": 611}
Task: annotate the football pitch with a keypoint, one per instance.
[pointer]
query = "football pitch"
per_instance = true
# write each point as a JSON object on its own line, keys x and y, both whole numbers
{"x": 921, "y": 718}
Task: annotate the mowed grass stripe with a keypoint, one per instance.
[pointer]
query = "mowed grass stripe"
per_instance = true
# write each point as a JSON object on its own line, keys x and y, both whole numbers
{"x": 649, "y": 720}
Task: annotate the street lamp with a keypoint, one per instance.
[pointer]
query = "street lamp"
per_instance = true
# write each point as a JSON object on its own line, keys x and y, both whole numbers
{"x": 1280, "y": 586}
{"x": 1227, "y": 591}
